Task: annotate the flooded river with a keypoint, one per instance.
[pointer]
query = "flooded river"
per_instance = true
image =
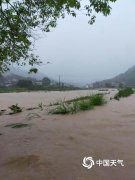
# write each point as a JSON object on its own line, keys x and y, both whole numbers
{"x": 54, "y": 146}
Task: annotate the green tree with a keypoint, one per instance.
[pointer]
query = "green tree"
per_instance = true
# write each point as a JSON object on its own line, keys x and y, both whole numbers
{"x": 46, "y": 81}
{"x": 25, "y": 83}
{"x": 108, "y": 85}
{"x": 18, "y": 20}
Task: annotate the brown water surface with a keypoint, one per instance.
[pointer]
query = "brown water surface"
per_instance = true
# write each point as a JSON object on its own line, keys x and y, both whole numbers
{"x": 53, "y": 147}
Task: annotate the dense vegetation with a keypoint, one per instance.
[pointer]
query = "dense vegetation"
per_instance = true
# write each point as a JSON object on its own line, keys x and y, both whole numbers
{"x": 77, "y": 104}
{"x": 125, "y": 92}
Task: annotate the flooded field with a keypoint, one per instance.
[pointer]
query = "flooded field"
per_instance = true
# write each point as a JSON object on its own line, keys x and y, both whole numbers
{"x": 28, "y": 99}
{"x": 53, "y": 146}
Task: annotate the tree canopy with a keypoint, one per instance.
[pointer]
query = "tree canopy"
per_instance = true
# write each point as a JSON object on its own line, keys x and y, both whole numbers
{"x": 46, "y": 81}
{"x": 20, "y": 18}
{"x": 25, "y": 83}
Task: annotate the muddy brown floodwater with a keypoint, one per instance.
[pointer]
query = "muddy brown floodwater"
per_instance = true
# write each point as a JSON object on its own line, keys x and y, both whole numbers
{"x": 53, "y": 146}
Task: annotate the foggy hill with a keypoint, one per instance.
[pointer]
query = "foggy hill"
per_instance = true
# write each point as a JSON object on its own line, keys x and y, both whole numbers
{"x": 24, "y": 73}
{"x": 12, "y": 79}
{"x": 127, "y": 78}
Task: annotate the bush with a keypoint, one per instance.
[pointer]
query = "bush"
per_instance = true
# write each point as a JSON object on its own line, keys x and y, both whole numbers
{"x": 97, "y": 100}
{"x": 85, "y": 105}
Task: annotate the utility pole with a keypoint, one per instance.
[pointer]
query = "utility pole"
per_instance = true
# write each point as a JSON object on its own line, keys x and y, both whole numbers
{"x": 59, "y": 81}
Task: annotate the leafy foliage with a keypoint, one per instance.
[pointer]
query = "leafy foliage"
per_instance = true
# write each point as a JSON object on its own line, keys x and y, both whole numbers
{"x": 20, "y": 19}
{"x": 33, "y": 70}
{"x": 25, "y": 83}
{"x": 46, "y": 81}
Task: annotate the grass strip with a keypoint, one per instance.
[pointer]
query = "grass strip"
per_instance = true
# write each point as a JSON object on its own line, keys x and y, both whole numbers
{"x": 79, "y": 104}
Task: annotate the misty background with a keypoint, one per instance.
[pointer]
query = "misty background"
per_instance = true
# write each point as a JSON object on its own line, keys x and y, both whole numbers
{"x": 83, "y": 53}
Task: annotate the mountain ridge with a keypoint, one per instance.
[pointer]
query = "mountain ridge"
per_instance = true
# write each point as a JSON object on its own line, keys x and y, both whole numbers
{"x": 127, "y": 78}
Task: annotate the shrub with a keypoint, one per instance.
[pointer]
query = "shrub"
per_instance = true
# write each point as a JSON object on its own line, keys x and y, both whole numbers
{"x": 85, "y": 105}
{"x": 15, "y": 109}
{"x": 97, "y": 100}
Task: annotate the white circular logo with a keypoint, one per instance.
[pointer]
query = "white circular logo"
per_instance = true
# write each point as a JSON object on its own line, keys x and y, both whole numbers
{"x": 88, "y": 162}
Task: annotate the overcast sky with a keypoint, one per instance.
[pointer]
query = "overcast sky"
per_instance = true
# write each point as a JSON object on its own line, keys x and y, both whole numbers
{"x": 83, "y": 53}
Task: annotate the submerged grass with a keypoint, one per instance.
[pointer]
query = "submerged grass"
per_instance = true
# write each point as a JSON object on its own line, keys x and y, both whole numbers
{"x": 78, "y": 104}
{"x": 32, "y": 108}
{"x": 17, "y": 125}
{"x": 32, "y": 116}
